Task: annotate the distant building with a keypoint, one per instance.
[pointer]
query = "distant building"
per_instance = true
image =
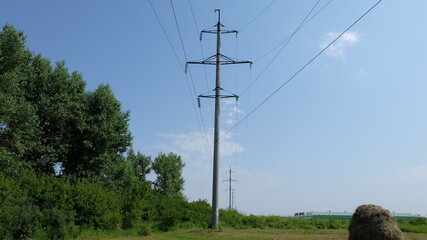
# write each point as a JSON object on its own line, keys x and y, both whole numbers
{"x": 347, "y": 215}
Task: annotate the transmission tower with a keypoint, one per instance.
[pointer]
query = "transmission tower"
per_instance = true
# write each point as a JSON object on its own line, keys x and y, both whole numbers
{"x": 230, "y": 190}
{"x": 218, "y": 59}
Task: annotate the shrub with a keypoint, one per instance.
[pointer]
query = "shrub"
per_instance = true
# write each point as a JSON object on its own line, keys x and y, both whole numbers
{"x": 170, "y": 211}
{"x": 199, "y": 213}
{"x": 59, "y": 224}
{"x": 231, "y": 218}
{"x": 19, "y": 218}
{"x": 96, "y": 206}
{"x": 144, "y": 230}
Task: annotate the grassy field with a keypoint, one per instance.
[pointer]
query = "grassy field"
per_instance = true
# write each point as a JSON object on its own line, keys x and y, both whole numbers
{"x": 271, "y": 234}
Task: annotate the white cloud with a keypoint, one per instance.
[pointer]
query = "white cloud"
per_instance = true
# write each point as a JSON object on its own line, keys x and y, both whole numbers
{"x": 231, "y": 111}
{"x": 338, "y": 49}
{"x": 230, "y": 121}
{"x": 196, "y": 146}
{"x": 195, "y": 153}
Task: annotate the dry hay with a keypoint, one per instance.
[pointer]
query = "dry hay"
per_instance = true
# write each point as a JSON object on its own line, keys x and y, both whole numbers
{"x": 371, "y": 222}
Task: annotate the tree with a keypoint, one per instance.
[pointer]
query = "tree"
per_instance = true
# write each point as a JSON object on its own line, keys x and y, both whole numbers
{"x": 168, "y": 168}
{"x": 47, "y": 118}
{"x": 19, "y": 125}
{"x": 100, "y": 139}
{"x": 141, "y": 164}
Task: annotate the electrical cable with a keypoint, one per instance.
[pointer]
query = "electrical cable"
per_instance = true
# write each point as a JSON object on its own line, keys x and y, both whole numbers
{"x": 265, "y": 9}
{"x": 166, "y": 35}
{"x": 301, "y": 69}
{"x": 203, "y": 56}
{"x": 179, "y": 63}
{"x": 283, "y": 47}
{"x": 191, "y": 76}
{"x": 291, "y": 35}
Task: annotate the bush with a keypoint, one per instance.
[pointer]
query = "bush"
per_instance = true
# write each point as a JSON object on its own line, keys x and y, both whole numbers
{"x": 59, "y": 224}
{"x": 19, "y": 218}
{"x": 199, "y": 213}
{"x": 144, "y": 230}
{"x": 96, "y": 206}
{"x": 417, "y": 225}
{"x": 231, "y": 218}
{"x": 170, "y": 211}
{"x": 137, "y": 205}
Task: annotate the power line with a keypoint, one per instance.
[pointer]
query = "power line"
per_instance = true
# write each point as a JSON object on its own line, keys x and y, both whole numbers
{"x": 291, "y": 35}
{"x": 186, "y": 77}
{"x": 166, "y": 35}
{"x": 253, "y": 19}
{"x": 283, "y": 47}
{"x": 191, "y": 76}
{"x": 179, "y": 31}
{"x": 203, "y": 53}
{"x": 302, "y": 68}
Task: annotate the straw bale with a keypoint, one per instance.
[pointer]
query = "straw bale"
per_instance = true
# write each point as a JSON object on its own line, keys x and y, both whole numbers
{"x": 371, "y": 222}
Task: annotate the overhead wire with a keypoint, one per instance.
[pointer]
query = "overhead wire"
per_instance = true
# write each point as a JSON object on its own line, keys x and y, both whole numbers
{"x": 191, "y": 78}
{"x": 182, "y": 67}
{"x": 166, "y": 35}
{"x": 253, "y": 19}
{"x": 247, "y": 121}
{"x": 283, "y": 47}
{"x": 291, "y": 35}
{"x": 203, "y": 55}
{"x": 302, "y": 68}
{"x": 287, "y": 41}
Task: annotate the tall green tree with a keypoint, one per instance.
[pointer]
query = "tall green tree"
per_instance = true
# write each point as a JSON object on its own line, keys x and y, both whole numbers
{"x": 47, "y": 118}
{"x": 168, "y": 168}
{"x": 19, "y": 124}
{"x": 100, "y": 139}
{"x": 141, "y": 164}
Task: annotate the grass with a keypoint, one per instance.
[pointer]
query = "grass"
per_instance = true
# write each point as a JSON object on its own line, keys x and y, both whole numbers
{"x": 233, "y": 234}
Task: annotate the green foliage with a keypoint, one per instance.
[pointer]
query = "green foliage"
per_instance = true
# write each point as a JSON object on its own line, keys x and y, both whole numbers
{"x": 96, "y": 206}
{"x": 144, "y": 230}
{"x": 58, "y": 224}
{"x": 417, "y": 225}
{"x": 137, "y": 204}
{"x": 168, "y": 168}
{"x": 101, "y": 140}
{"x": 237, "y": 220}
{"x": 141, "y": 164}
{"x": 170, "y": 211}
{"x": 199, "y": 213}
{"x": 19, "y": 218}
{"x": 231, "y": 218}
{"x": 9, "y": 163}
{"x": 47, "y": 117}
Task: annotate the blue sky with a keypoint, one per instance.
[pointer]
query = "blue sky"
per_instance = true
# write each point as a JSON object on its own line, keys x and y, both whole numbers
{"x": 349, "y": 129}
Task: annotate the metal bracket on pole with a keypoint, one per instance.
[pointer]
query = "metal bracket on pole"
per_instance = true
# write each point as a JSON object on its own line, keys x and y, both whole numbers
{"x": 223, "y": 60}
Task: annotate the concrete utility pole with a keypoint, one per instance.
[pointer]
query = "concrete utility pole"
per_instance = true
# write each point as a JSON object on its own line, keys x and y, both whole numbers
{"x": 218, "y": 59}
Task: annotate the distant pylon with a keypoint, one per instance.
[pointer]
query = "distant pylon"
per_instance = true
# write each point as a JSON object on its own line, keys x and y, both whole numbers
{"x": 230, "y": 190}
